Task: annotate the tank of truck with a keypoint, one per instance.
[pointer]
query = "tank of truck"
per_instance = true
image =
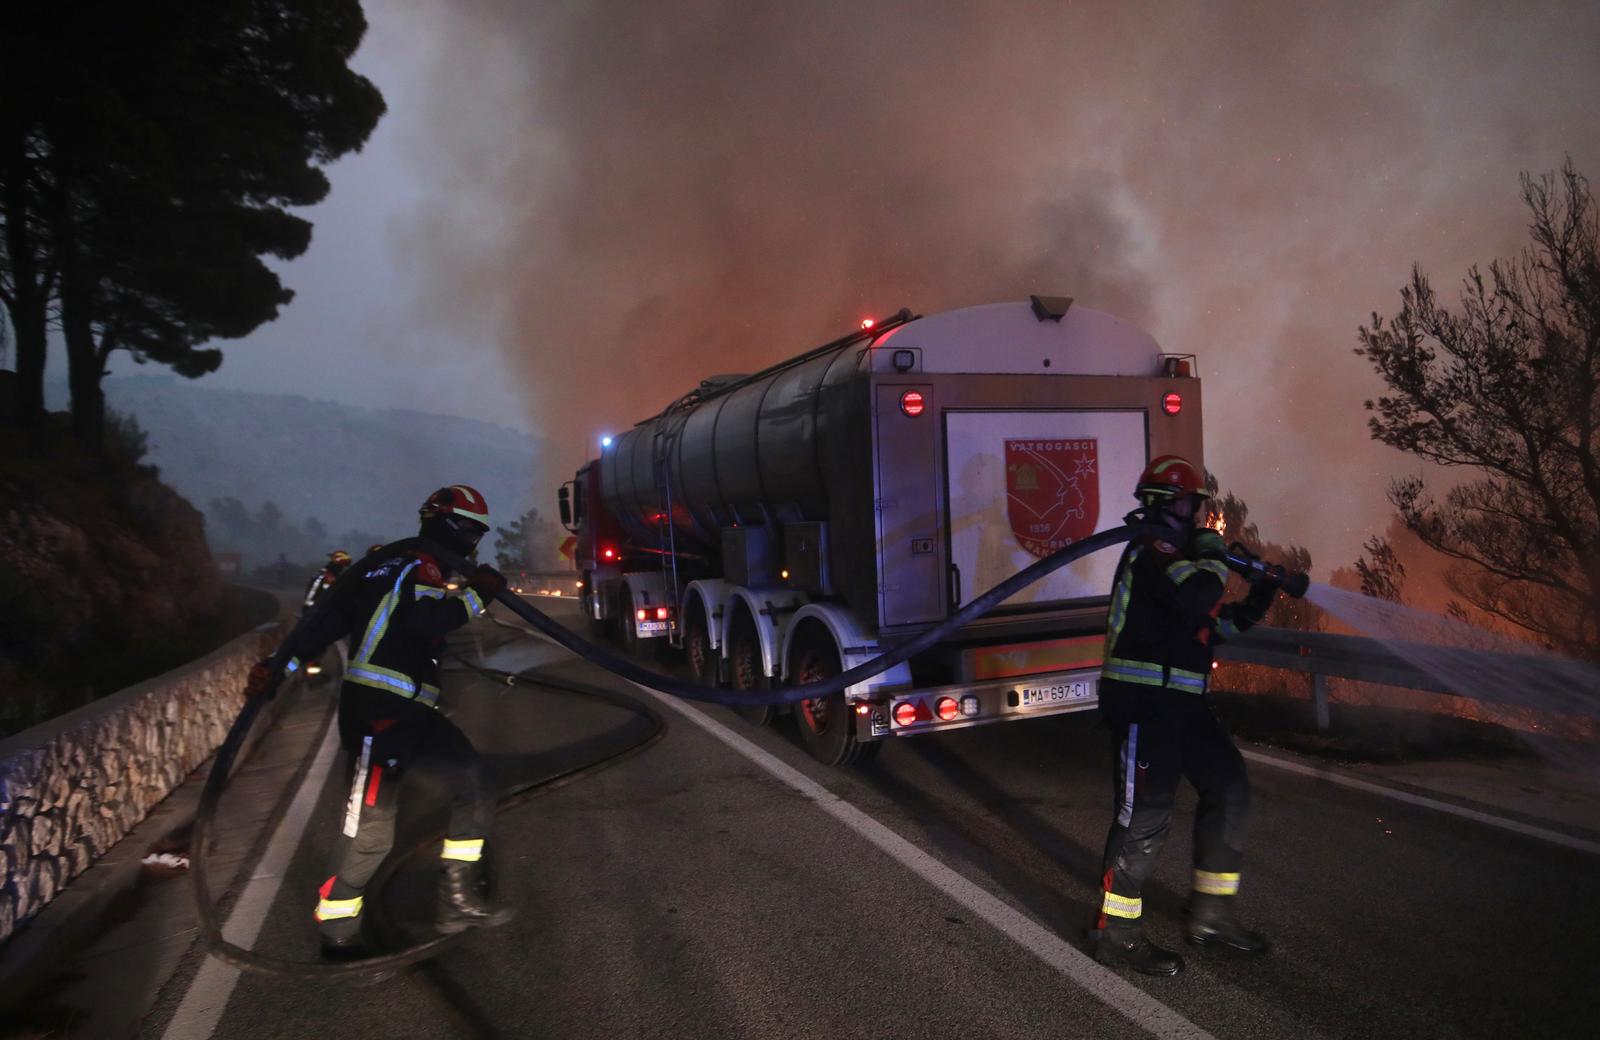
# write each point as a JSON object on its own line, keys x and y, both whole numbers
{"x": 809, "y": 439}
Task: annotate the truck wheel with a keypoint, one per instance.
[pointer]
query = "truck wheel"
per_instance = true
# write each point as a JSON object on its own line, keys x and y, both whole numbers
{"x": 697, "y": 649}
{"x": 745, "y": 667}
{"x": 827, "y": 725}
{"x": 632, "y": 645}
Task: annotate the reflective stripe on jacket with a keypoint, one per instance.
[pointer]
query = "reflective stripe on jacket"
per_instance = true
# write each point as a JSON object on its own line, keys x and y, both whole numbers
{"x": 395, "y": 611}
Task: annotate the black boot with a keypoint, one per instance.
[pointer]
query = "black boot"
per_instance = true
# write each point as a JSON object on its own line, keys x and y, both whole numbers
{"x": 464, "y": 898}
{"x": 1211, "y": 920}
{"x": 341, "y": 949}
{"x": 1126, "y": 946}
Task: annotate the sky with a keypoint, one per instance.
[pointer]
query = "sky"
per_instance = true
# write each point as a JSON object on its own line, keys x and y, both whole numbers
{"x": 573, "y": 212}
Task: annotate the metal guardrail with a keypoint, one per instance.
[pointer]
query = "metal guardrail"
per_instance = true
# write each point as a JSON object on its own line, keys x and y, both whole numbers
{"x": 544, "y": 583}
{"x": 1324, "y": 655}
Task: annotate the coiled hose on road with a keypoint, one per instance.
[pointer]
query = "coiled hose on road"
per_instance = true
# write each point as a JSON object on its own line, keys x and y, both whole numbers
{"x": 217, "y": 781}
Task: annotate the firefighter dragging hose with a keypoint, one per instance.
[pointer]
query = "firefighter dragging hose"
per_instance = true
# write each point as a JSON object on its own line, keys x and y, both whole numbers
{"x": 395, "y": 611}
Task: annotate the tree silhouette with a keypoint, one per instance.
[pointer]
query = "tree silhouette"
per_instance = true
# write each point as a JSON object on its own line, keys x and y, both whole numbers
{"x": 147, "y": 154}
{"x": 1508, "y": 388}
{"x": 527, "y": 544}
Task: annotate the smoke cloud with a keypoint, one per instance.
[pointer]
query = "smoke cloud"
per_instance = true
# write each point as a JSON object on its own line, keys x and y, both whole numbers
{"x": 634, "y": 196}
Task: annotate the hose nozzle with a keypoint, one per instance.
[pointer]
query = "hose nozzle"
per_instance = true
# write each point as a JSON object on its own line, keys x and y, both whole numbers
{"x": 1254, "y": 569}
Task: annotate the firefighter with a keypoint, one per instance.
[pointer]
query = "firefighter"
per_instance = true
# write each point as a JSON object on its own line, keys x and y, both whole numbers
{"x": 1166, "y": 615}
{"x": 338, "y": 560}
{"x": 395, "y": 612}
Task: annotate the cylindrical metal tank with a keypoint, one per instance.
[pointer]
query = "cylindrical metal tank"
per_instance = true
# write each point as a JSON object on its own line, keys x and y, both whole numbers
{"x": 758, "y": 453}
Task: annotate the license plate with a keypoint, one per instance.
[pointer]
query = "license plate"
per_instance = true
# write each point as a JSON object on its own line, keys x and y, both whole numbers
{"x": 1076, "y": 690}
{"x": 652, "y": 628}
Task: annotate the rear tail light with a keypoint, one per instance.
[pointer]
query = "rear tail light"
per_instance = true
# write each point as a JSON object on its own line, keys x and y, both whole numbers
{"x": 947, "y": 709}
{"x": 661, "y": 613}
{"x": 905, "y": 713}
{"x": 641, "y": 614}
{"x": 1171, "y": 403}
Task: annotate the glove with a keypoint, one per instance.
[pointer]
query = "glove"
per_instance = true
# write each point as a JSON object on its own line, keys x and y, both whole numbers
{"x": 1206, "y": 542}
{"x": 487, "y": 582}
{"x": 262, "y": 681}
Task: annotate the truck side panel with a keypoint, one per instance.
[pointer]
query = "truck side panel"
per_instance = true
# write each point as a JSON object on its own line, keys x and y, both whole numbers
{"x": 913, "y": 579}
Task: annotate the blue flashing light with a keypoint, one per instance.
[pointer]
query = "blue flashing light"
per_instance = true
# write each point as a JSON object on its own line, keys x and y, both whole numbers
{"x": 605, "y": 442}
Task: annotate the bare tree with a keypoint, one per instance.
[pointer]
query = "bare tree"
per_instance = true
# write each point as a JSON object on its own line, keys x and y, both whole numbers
{"x": 1508, "y": 388}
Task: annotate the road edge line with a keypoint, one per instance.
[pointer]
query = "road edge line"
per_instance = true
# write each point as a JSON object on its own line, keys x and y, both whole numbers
{"x": 209, "y": 991}
{"x": 1531, "y": 830}
{"x": 1110, "y": 989}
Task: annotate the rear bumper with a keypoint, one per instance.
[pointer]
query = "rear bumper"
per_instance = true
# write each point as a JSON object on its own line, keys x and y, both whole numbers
{"x": 998, "y": 700}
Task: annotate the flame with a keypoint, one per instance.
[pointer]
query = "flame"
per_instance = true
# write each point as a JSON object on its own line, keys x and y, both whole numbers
{"x": 1218, "y": 523}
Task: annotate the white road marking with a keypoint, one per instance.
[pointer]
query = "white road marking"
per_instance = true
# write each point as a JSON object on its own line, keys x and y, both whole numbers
{"x": 1111, "y": 989}
{"x": 1517, "y": 826}
{"x": 207, "y": 997}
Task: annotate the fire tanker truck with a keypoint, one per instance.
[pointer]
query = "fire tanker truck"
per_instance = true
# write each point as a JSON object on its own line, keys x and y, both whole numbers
{"x": 783, "y": 526}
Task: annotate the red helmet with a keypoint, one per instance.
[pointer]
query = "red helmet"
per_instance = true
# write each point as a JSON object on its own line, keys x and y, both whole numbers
{"x": 1169, "y": 477}
{"x": 457, "y": 500}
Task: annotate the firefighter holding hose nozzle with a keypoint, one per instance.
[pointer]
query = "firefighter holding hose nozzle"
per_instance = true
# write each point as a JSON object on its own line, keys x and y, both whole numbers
{"x": 395, "y": 611}
{"x": 1166, "y": 616}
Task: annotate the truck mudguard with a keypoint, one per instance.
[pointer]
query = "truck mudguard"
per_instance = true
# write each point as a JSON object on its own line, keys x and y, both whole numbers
{"x": 714, "y": 595}
{"x": 857, "y": 644}
{"x": 772, "y": 609}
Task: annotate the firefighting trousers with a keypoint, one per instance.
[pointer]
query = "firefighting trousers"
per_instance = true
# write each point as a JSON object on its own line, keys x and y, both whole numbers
{"x": 1151, "y": 751}
{"x": 386, "y": 738}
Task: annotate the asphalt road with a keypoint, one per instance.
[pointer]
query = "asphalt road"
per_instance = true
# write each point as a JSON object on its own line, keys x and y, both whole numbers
{"x": 688, "y": 891}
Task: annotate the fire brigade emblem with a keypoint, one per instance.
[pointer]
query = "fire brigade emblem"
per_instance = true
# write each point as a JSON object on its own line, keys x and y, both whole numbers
{"x": 1052, "y": 492}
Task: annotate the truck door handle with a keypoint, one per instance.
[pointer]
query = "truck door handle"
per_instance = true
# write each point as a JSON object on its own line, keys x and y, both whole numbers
{"x": 955, "y": 582}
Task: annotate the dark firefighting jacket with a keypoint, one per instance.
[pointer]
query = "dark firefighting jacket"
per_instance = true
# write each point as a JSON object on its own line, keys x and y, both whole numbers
{"x": 1167, "y": 612}
{"x": 395, "y": 611}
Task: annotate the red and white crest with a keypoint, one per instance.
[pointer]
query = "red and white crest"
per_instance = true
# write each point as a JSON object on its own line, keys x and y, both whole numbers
{"x": 1052, "y": 491}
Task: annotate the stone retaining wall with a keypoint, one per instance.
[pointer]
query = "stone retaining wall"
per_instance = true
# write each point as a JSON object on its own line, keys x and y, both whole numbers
{"x": 72, "y": 787}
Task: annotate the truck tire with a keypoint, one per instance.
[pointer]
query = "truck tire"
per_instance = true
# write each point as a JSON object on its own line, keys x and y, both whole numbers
{"x": 632, "y": 645}
{"x": 827, "y": 725}
{"x": 745, "y": 666}
{"x": 697, "y": 649}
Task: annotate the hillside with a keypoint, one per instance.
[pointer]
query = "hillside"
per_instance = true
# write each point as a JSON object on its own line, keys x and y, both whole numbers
{"x": 105, "y": 577}
{"x": 355, "y": 471}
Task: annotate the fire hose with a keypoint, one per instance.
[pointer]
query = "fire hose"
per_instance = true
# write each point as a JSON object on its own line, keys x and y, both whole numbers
{"x": 217, "y": 780}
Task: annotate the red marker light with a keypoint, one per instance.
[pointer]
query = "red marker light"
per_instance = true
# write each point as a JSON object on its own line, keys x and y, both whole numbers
{"x": 610, "y": 554}
{"x": 947, "y": 708}
{"x": 867, "y": 323}
{"x": 1171, "y": 403}
{"x": 912, "y": 403}
{"x": 905, "y": 713}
